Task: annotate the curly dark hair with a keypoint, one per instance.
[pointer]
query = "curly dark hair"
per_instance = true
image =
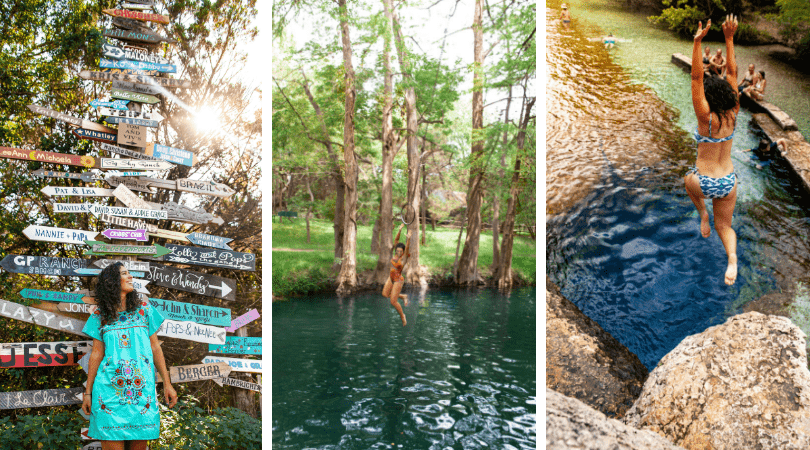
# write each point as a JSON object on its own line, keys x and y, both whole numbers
{"x": 108, "y": 293}
{"x": 399, "y": 244}
{"x": 721, "y": 96}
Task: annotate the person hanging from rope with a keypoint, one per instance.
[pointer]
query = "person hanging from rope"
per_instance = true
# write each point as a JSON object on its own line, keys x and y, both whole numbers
{"x": 395, "y": 281}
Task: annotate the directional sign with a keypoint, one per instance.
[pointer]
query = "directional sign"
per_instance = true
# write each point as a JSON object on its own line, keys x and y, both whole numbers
{"x": 129, "y": 223}
{"x": 143, "y": 2}
{"x": 84, "y": 434}
{"x": 43, "y": 265}
{"x": 87, "y": 417}
{"x": 130, "y": 24}
{"x": 53, "y": 296}
{"x": 63, "y": 235}
{"x": 35, "y": 399}
{"x": 59, "y": 191}
{"x": 100, "y": 248}
{"x": 237, "y": 365}
{"x": 134, "y": 164}
{"x": 136, "y": 235}
{"x": 209, "y": 240}
{"x": 116, "y": 104}
{"x": 42, "y": 354}
{"x": 137, "y": 122}
{"x": 76, "y": 308}
{"x": 138, "y": 88}
{"x": 140, "y": 266}
{"x": 129, "y": 113}
{"x": 191, "y": 331}
{"x": 93, "y": 445}
{"x": 227, "y": 259}
{"x": 171, "y": 154}
{"x": 190, "y": 312}
{"x": 150, "y": 73}
{"x": 243, "y": 320}
{"x": 94, "y": 272}
{"x": 183, "y": 213}
{"x": 240, "y": 384}
{"x": 136, "y": 35}
{"x": 135, "y": 6}
{"x": 48, "y": 157}
{"x": 190, "y": 281}
{"x": 238, "y": 345}
{"x": 137, "y": 65}
{"x": 132, "y": 184}
{"x": 204, "y": 187}
{"x": 168, "y": 83}
{"x": 72, "y": 208}
{"x": 129, "y": 198}
{"x": 144, "y": 17}
{"x": 93, "y": 135}
{"x": 125, "y": 152}
{"x": 169, "y": 234}
{"x": 87, "y": 177}
{"x": 130, "y": 212}
{"x": 134, "y": 96}
{"x": 75, "y": 121}
{"x": 198, "y": 372}
{"x": 45, "y": 318}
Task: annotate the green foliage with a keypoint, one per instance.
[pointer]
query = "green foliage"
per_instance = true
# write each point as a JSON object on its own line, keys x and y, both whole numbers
{"x": 748, "y": 35}
{"x": 56, "y": 431}
{"x": 683, "y": 20}
{"x": 799, "y": 309}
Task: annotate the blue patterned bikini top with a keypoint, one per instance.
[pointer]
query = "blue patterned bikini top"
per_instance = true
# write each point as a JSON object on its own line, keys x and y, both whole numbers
{"x": 708, "y": 139}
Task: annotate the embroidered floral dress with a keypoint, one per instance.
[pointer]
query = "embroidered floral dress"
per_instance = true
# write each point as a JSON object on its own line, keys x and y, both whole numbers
{"x": 124, "y": 402}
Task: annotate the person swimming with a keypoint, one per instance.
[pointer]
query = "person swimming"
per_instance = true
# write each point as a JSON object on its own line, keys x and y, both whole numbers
{"x": 609, "y": 40}
{"x": 565, "y": 15}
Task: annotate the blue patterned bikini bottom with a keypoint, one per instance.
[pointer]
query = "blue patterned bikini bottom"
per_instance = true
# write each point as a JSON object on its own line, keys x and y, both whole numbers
{"x": 715, "y": 187}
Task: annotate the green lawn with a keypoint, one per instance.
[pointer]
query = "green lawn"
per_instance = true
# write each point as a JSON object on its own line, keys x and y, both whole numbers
{"x": 304, "y": 271}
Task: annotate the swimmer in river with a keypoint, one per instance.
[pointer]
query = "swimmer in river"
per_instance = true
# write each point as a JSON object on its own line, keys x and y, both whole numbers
{"x": 609, "y": 41}
{"x": 395, "y": 281}
{"x": 565, "y": 15}
{"x": 716, "y": 102}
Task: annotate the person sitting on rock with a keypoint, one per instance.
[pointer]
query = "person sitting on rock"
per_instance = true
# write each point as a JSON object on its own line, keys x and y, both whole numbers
{"x": 717, "y": 64}
{"x": 748, "y": 79}
{"x": 757, "y": 88}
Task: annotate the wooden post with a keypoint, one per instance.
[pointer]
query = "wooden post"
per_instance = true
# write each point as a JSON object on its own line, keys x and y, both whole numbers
{"x": 244, "y": 399}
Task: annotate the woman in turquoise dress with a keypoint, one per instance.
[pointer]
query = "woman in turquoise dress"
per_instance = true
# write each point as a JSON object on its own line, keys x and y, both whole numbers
{"x": 121, "y": 394}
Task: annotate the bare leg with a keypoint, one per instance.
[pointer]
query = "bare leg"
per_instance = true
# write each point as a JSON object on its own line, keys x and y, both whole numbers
{"x": 394, "y": 297}
{"x": 387, "y": 288}
{"x": 137, "y": 445}
{"x": 693, "y": 189}
{"x": 723, "y": 211}
{"x": 112, "y": 445}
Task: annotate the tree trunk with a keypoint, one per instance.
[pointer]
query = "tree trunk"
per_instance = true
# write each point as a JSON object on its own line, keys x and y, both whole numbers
{"x": 375, "y": 236}
{"x": 244, "y": 399}
{"x": 468, "y": 265}
{"x": 347, "y": 279}
{"x": 309, "y": 208}
{"x": 496, "y": 201}
{"x": 423, "y": 193}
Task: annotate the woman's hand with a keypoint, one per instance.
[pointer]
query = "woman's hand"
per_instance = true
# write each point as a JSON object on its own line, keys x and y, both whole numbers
{"x": 730, "y": 26}
{"x": 170, "y": 395}
{"x": 87, "y": 403}
{"x": 701, "y": 32}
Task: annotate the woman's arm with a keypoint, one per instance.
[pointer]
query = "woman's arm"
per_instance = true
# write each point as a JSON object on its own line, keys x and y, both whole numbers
{"x": 96, "y": 356}
{"x": 160, "y": 362}
{"x": 698, "y": 96}
{"x": 729, "y": 27}
{"x": 396, "y": 240}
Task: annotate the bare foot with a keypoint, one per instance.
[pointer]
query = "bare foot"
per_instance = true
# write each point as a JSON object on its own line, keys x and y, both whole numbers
{"x": 731, "y": 271}
{"x": 405, "y": 299}
{"x": 705, "y": 227}
{"x": 404, "y": 321}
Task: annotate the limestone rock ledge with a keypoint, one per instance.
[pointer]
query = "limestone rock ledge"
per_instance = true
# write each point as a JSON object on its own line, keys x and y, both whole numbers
{"x": 740, "y": 385}
{"x": 585, "y": 362}
{"x": 571, "y": 424}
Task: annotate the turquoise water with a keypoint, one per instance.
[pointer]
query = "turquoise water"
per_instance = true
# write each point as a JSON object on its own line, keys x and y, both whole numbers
{"x": 460, "y": 375}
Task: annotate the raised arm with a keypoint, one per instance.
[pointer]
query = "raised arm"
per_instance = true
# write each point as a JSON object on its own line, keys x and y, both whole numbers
{"x": 396, "y": 239}
{"x": 729, "y": 27}
{"x": 698, "y": 96}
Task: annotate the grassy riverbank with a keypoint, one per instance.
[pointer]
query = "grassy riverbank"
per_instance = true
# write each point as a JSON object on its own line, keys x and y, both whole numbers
{"x": 300, "y": 267}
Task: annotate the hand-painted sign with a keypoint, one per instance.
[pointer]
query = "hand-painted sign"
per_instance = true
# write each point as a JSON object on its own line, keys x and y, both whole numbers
{"x": 136, "y": 35}
{"x": 143, "y": 2}
{"x": 137, "y": 88}
{"x": 237, "y": 365}
{"x": 243, "y": 320}
{"x": 130, "y": 24}
{"x": 134, "y": 96}
{"x": 137, "y": 65}
{"x": 191, "y": 331}
{"x": 87, "y": 177}
{"x": 140, "y": 266}
{"x": 169, "y": 234}
{"x": 132, "y": 54}
{"x": 135, "y": 6}
{"x": 125, "y": 152}
{"x": 43, "y": 265}
{"x": 169, "y": 83}
{"x": 183, "y": 213}
{"x": 149, "y": 73}
{"x": 134, "y": 164}
{"x": 190, "y": 281}
{"x": 100, "y": 248}
{"x": 209, "y": 240}
{"x": 42, "y": 354}
{"x": 48, "y": 157}
{"x": 62, "y": 235}
{"x": 198, "y": 372}
{"x": 45, "y": 318}
{"x": 136, "y": 122}
{"x": 93, "y": 445}
{"x": 238, "y": 345}
{"x": 59, "y": 191}
{"x": 129, "y": 113}
{"x": 84, "y": 432}
{"x": 52, "y": 296}
{"x": 200, "y": 256}
{"x": 116, "y": 104}
{"x": 35, "y": 399}
{"x": 130, "y": 212}
{"x": 136, "y": 235}
{"x": 75, "y": 121}
{"x": 72, "y": 208}
{"x": 144, "y": 17}
{"x": 240, "y": 384}
{"x": 129, "y": 223}
{"x": 93, "y": 135}
{"x": 204, "y": 188}
{"x": 132, "y": 135}
{"x": 87, "y": 417}
{"x": 94, "y": 272}
{"x": 190, "y": 312}
{"x": 171, "y": 154}
{"x": 129, "y": 198}
{"x": 132, "y": 184}
{"x": 78, "y": 308}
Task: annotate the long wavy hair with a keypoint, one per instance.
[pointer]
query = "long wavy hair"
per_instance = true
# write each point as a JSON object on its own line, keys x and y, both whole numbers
{"x": 108, "y": 293}
{"x": 722, "y": 98}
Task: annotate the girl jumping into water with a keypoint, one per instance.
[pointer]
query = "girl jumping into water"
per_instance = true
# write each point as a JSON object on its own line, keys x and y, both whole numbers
{"x": 395, "y": 281}
{"x": 716, "y": 104}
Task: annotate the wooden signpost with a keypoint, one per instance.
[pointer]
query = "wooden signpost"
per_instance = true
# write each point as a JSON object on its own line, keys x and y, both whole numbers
{"x": 190, "y": 312}
{"x": 129, "y": 223}
{"x": 48, "y": 157}
{"x": 226, "y": 259}
{"x": 43, "y": 265}
{"x": 171, "y": 154}
{"x": 79, "y": 308}
{"x": 75, "y": 121}
{"x": 130, "y": 199}
{"x": 95, "y": 272}
{"x": 136, "y": 122}
{"x": 93, "y": 445}
{"x": 209, "y": 240}
{"x": 237, "y": 365}
{"x": 125, "y": 151}
{"x": 45, "y": 318}
{"x": 183, "y": 213}
{"x": 144, "y": 17}
{"x": 133, "y": 135}
{"x": 60, "y": 191}
{"x": 169, "y": 234}
{"x": 72, "y": 208}
{"x": 130, "y": 24}
{"x": 132, "y": 54}
{"x": 130, "y": 235}
{"x": 135, "y": 6}
{"x": 198, "y": 372}
{"x": 115, "y": 104}
{"x": 87, "y": 177}
{"x": 83, "y": 133}
{"x": 53, "y": 296}
{"x": 138, "y": 213}
{"x": 243, "y": 320}
{"x": 140, "y": 266}
{"x": 237, "y": 345}
{"x": 240, "y": 384}
{"x": 132, "y": 184}
{"x": 138, "y": 88}
{"x": 134, "y": 96}
{"x": 62, "y": 235}
{"x": 104, "y": 111}
{"x": 101, "y": 248}
{"x": 149, "y": 73}
{"x": 134, "y": 164}
{"x": 190, "y": 281}
{"x": 137, "y": 65}
{"x": 197, "y": 187}
{"x": 168, "y": 83}
{"x": 36, "y": 399}
{"x": 191, "y": 331}
{"x": 42, "y": 354}
{"x": 137, "y": 36}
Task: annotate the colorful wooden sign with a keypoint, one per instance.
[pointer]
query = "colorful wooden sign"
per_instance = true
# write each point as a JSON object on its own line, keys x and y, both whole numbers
{"x": 93, "y": 135}
{"x": 36, "y": 399}
{"x": 42, "y": 354}
{"x": 87, "y": 177}
{"x": 183, "y": 213}
{"x": 190, "y": 281}
{"x": 143, "y": 17}
{"x": 72, "y": 208}
{"x": 130, "y": 212}
{"x": 95, "y": 272}
{"x": 45, "y": 318}
{"x": 137, "y": 65}
{"x": 132, "y": 184}
{"x": 243, "y": 320}
{"x": 190, "y": 312}
{"x": 62, "y": 235}
{"x": 77, "y": 308}
{"x": 93, "y": 445}
{"x": 129, "y": 223}
{"x": 116, "y": 104}
{"x": 101, "y": 248}
{"x": 129, "y": 113}
{"x": 129, "y": 198}
{"x": 226, "y": 259}
{"x": 132, "y": 54}
{"x": 240, "y": 384}
{"x": 140, "y": 266}
{"x": 134, "y": 164}
{"x": 238, "y": 345}
{"x": 133, "y": 135}
{"x": 198, "y": 372}
{"x": 47, "y": 157}
{"x": 134, "y": 96}
{"x": 136, "y": 122}
{"x": 143, "y": 2}
{"x": 62, "y": 191}
{"x": 191, "y": 331}
{"x": 168, "y": 83}
{"x": 138, "y": 88}
{"x": 237, "y": 365}
{"x": 149, "y": 73}
{"x": 130, "y": 24}
{"x": 43, "y": 265}
{"x": 130, "y": 235}
{"x": 209, "y": 240}
{"x": 137, "y": 36}
{"x": 75, "y": 121}
{"x": 84, "y": 431}
{"x": 53, "y": 296}
{"x": 171, "y": 154}
{"x": 125, "y": 151}
{"x": 204, "y": 188}
{"x": 169, "y": 234}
